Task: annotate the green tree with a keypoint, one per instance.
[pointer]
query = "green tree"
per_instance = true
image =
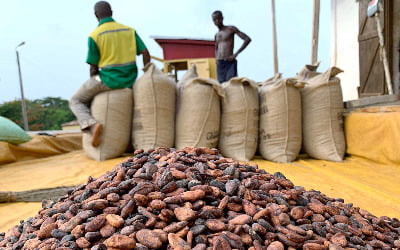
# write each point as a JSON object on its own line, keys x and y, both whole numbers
{"x": 55, "y": 111}
{"x": 12, "y": 110}
{"x": 43, "y": 114}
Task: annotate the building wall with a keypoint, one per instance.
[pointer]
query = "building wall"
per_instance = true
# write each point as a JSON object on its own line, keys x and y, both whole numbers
{"x": 396, "y": 47}
{"x": 344, "y": 45}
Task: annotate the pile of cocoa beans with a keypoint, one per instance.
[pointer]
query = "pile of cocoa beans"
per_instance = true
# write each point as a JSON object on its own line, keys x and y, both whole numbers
{"x": 196, "y": 199}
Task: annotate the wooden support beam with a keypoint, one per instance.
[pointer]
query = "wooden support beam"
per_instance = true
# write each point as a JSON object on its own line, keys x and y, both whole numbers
{"x": 315, "y": 33}
{"x": 274, "y": 38}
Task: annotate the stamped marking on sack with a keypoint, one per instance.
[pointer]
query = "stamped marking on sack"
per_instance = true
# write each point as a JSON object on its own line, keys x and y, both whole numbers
{"x": 263, "y": 135}
{"x": 212, "y": 135}
{"x": 138, "y": 126}
{"x": 263, "y": 110}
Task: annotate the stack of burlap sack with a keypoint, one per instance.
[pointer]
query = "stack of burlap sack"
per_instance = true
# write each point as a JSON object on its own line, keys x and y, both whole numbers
{"x": 277, "y": 118}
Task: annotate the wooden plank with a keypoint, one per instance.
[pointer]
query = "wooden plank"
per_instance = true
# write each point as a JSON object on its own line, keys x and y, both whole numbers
{"x": 373, "y": 101}
{"x": 372, "y": 75}
{"x": 371, "y": 69}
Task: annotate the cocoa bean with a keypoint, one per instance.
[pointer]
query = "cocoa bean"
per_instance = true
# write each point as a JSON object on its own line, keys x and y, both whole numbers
{"x": 97, "y": 223}
{"x": 276, "y": 245}
{"x": 241, "y": 220}
{"x": 140, "y": 199}
{"x": 177, "y": 242}
{"x": 184, "y": 214}
{"x": 297, "y": 212}
{"x": 82, "y": 242}
{"x": 313, "y": 246}
{"x": 97, "y": 204}
{"x": 339, "y": 239}
{"x": 215, "y": 225}
{"x": 156, "y": 195}
{"x": 158, "y": 204}
{"x": 176, "y": 226}
{"x": 200, "y": 246}
{"x": 128, "y": 209}
{"x": 45, "y": 232}
{"x": 249, "y": 208}
{"x": 107, "y": 230}
{"x": 198, "y": 229}
{"x": 183, "y": 232}
{"x": 234, "y": 240}
{"x": 93, "y": 236}
{"x": 221, "y": 243}
{"x": 149, "y": 238}
{"x": 235, "y": 207}
{"x": 316, "y": 208}
{"x": 111, "y": 210}
{"x": 246, "y": 238}
{"x": 120, "y": 242}
{"x": 192, "y": 196}
{"x": 260, "y": 214}
{"x": 115, "y": 220}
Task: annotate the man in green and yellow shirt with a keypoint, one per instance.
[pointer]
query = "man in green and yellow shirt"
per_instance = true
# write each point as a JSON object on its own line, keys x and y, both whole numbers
{"x": 113, "y": 48}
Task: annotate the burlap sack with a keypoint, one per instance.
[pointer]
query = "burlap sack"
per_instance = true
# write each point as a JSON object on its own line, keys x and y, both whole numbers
{"x": 189, "y": 75}
{"x": 198, "y": 114}
{"x": 322, "y": 103}
{"x": 113, "y": 109}
{"x": 307, "y": 72}
{"x": 280, "y": 119}
{"x": 239, "y": 119}
{"x": 154, "y": 95}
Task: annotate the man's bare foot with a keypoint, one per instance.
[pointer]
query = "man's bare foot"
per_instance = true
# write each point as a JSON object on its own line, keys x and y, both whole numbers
{"x": 96, "y": 130}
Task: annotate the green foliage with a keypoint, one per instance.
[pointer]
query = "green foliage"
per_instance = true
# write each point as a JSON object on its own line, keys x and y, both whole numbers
{"x": 43, "y": 114}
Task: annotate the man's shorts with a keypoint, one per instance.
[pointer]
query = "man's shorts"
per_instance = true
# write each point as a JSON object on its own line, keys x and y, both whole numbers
{"x": 226, "y": 70}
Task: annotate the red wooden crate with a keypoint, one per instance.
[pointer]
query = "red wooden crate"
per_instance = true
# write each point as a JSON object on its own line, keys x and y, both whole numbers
{"x": 182, "y": 48}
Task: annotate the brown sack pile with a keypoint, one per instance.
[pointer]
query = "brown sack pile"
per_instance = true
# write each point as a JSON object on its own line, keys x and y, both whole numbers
{"x": 113, "y": 109}
{"x": 280, "y": 119}
{"x": 154, "y": 95}
{"x": 198, "y": 113}
{"x": 322, "y": 103}
{"x": 239, "y": 120}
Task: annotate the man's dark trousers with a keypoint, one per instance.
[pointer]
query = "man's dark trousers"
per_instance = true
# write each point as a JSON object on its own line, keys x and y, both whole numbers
{"x": 226, "y": 70}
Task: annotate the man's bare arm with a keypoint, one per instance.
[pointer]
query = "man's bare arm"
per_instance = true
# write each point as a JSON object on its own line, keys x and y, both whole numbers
{"x": 94, "y": 70}
{"x": 216, "y": 46}
{"x": 146, "y": 57}
{"x": 246, "y": 40}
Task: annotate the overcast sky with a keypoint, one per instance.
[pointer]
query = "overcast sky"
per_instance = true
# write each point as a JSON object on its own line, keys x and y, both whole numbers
{"x": 55, "y": 32}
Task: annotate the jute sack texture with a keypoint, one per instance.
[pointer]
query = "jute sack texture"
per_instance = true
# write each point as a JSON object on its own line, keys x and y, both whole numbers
{"x": 186, "y": 78}
{"x": 280, "y": 119}
{"x": 239, "y": 119}
{"x": 322, "y": 103}
{"x": 113, "y": 109}
{"x": 308, "y": 71}
{"x": 154, "y": 95}
{"x": 198, "y": 113}
{"x": 189, "y": 75}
